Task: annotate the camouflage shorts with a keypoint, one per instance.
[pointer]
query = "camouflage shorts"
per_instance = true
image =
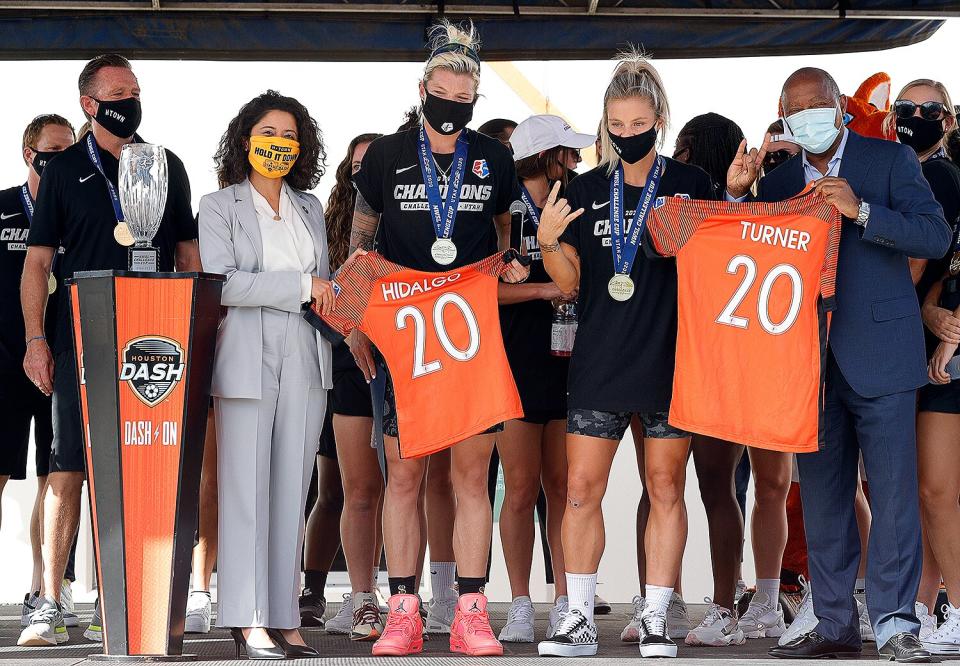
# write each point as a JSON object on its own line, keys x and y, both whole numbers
{"x": 613, "y": 425}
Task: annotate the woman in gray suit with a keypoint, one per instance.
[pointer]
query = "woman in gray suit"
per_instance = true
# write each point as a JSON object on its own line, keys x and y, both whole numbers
{"x": 271, "y": 371}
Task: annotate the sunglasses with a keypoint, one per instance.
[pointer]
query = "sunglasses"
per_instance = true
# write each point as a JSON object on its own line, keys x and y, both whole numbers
{"x": 904, "y": 108}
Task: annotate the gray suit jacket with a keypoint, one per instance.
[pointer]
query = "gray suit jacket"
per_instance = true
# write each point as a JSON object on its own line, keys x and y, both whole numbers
{"x": 230, "y": 243}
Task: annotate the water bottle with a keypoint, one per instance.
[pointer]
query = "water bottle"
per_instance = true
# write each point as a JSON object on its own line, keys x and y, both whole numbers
{"x": 564, "y": 328}
{"x": 953, "y": 368}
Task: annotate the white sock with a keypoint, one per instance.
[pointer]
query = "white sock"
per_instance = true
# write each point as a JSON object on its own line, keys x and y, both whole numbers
{"x": 770, "y": 587}
{"x": 580, "y": 591}
{"x": 658, "y": 598}
{"x": 442, "y": 576}
{"x": 374, "y": 577}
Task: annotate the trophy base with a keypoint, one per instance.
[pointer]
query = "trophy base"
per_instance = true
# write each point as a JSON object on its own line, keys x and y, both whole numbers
{"x": 143, "y": 259}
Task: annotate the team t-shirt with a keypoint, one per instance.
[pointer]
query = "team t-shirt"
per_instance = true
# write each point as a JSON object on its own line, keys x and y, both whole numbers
{"x": 541, "y": 377}
{"x": 74, "y": 211}
{"x": 440, "y": 336}
{"x": 756, "y": 282}
{"x": 624, "y": 351}
{"x": 390, "y": 181}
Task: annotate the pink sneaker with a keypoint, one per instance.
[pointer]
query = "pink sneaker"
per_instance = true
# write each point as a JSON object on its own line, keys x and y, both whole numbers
{"x": 403, "y": 633}
{"x": 470, "y": 632}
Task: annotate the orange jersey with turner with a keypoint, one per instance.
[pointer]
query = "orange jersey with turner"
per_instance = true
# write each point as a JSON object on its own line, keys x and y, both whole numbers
{"x": 756, "y": 284}
{"x": 440, "y": 336}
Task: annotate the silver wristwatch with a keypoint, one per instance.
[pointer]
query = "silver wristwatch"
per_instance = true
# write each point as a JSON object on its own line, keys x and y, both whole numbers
{"x": 864, "y": 214}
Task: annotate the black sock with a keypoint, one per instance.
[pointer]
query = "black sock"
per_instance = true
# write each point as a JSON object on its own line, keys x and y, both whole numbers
{"x": 470, "y": 585}
{"x": 315, "y": 581}
{"x": 403, "y": 585}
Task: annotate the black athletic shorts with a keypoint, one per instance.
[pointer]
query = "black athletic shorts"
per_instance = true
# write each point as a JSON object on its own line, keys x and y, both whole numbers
{"x": 22, "y": 403}
{"x": 943, "y": 398}
{"x": 328, "y": 443}
{"x": 67, "y": 450}
{"x": 542, "y": 416}
{"x": 351, "y": 393}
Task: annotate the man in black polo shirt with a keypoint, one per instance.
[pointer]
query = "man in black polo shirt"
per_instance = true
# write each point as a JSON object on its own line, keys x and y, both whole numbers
{"x": 78, "y": 209}
{"x": 20, "y": 402}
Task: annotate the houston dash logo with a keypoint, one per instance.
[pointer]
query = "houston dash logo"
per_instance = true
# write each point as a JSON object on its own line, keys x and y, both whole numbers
{"x": 152, "y": 366}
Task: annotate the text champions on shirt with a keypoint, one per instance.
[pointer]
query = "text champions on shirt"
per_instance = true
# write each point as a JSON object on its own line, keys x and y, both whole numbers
{"x": 394, "y": 291}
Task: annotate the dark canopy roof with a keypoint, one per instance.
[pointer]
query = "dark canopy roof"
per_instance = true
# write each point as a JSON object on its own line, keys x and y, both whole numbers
{"x": 384, "y": 30}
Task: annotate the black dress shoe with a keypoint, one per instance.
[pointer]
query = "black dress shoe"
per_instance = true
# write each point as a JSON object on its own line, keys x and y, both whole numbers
{"x": 905, "y": 648}
{"x": 255, "y": 652}
{"x": 814, "y": 646}
{"x": 291, "y": 650}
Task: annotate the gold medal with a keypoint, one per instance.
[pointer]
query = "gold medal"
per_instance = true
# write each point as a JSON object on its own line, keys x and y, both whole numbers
{"x": 121, "y": 234}
{"x": 955, "y": 264}
{"x": 51, "y": 284}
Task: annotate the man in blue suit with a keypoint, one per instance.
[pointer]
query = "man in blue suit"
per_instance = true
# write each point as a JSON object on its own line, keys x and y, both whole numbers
{"x": 876, "y": 361}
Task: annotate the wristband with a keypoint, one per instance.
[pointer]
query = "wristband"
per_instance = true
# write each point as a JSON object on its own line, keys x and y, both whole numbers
{"x": 550, "y": 247}
{"x": 36, "y": 337}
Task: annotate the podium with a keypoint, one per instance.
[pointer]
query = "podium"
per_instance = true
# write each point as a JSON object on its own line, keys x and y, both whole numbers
{"x": 144, "y": 347}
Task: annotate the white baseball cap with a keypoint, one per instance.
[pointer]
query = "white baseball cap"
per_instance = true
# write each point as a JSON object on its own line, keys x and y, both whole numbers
{"x": 543, "y": 132}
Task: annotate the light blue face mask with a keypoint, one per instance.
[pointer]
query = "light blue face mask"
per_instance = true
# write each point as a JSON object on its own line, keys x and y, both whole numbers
{"x": 814, "y": 130}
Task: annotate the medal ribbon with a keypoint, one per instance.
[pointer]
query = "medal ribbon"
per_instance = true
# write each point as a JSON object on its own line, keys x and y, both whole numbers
{"x": 624, "y": 248}
{"x": 443, "y": 213}
{"x": 27, "y": 202}
{"x": 94, "y": 154}
{"x": 531, "y": 208}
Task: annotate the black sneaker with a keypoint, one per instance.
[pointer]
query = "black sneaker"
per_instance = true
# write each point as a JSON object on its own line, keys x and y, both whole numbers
{"x": 575, "y": 637}
{"x": 312, "y": 608}
{"x": 654, "y": 641}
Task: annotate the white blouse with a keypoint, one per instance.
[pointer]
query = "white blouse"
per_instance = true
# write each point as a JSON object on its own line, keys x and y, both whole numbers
{"x": 287, "y": 243}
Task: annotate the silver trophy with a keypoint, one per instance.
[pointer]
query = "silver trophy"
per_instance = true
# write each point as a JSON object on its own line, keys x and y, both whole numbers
{"x": 143, "y": 196}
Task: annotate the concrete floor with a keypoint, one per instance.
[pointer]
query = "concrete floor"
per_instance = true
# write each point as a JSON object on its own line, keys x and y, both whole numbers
{"x": 217, "y": 647}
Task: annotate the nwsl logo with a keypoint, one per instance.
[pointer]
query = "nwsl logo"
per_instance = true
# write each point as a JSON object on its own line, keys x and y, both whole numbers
{"x": 480, "y": 169}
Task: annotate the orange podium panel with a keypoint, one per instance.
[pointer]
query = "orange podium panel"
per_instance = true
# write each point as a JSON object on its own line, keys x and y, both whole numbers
{"x": 145, "y": 344}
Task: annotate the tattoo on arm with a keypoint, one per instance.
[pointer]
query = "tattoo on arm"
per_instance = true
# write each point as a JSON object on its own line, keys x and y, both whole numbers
{"x": 365, "y": 223}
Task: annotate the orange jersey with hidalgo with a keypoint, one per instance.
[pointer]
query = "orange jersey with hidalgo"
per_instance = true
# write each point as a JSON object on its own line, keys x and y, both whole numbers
{"x": 756, "y": 283}
{"x": 440, "y": 336}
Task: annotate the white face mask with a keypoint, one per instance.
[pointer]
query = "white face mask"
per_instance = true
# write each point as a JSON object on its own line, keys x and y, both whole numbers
{"x": 814, "y": 130}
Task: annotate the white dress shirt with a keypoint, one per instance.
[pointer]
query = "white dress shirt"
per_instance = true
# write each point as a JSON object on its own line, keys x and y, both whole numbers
{"x": 287, "y": 244}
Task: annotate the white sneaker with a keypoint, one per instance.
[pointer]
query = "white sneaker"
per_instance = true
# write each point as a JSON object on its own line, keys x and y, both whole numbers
{"x": 560, "y": 606}
{"x": 678, "y": 623}
{"x": 342, "y": 622}
{"x": 654, "y": 641}
{"x": 46, "y": 626}
{"x": 70, "y": 618}
{"x": 29, "y": 605}
{"x": 631, "y": 632}
{"x": 763, "y": 619}
{"x": 381, "y": 600}
{"x": 519, "y": 626}
{"x": 718, "y": 628}
{"x": 928, "y": 621}
{"x": 866, "y": 628}
{"x": 805, "y": 621}
{"x": 94, "y": 630}
{"x": 946, "y": 639}
{"x": 367, "y": 621}
{"x": 440, "y": 615}
{"x": 576, "y": 636}
{"x": 198, "y": 613}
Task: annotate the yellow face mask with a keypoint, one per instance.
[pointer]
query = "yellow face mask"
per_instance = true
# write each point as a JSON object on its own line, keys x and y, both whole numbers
{"x": 273, "y": 156}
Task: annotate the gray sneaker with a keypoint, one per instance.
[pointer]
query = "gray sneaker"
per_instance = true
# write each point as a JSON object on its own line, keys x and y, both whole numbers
{"x": 66, "y": 605}
{"x": 46, "y": 626}
{"x": 29, "y": 605}
{"x": 94, "y": 631}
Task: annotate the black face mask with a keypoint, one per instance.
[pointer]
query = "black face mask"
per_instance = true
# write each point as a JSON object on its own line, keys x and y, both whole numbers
{"x": 120, "y": 117}
{"x": 919, "y": 133}
{"x": 632, "y": 149}
{"x": 40, "y": 159}
{"x": 445, "y": 115}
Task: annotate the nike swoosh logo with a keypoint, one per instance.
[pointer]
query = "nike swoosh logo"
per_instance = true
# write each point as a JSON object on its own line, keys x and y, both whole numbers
{"x": 597, "y": 206}
{"x": 4, "y": 216}
{"x": 406, "y": 168}
{"x": 83, "y": 180}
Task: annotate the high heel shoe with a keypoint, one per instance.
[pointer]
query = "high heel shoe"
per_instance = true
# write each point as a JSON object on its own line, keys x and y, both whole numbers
{"x": 252, "y": 652}
{"x": 291, "y": 650}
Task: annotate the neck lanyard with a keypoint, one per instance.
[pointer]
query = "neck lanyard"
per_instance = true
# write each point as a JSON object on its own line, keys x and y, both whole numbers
{"x": 443, "y": 213}
{"x": 531, "y": 209}
{"x": 27, "y": 202}
{"x": 94, "y": 154}
{"x": 624, "y": 247}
